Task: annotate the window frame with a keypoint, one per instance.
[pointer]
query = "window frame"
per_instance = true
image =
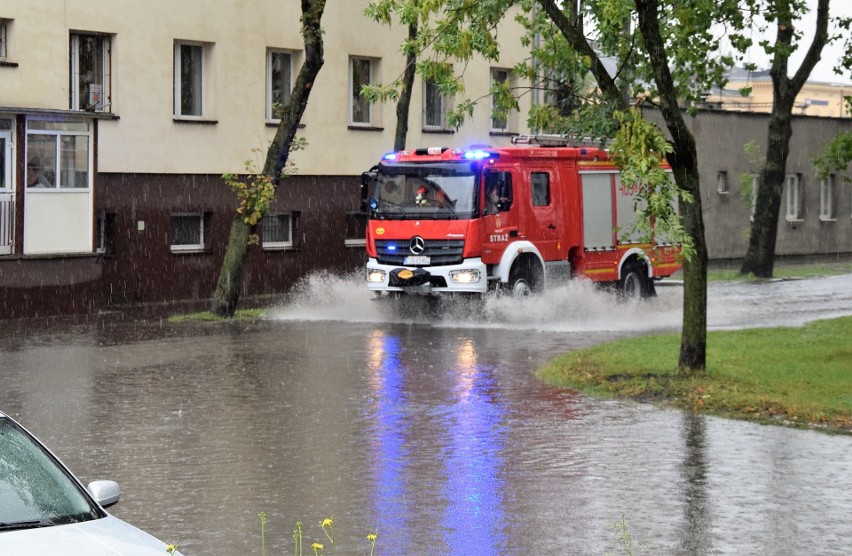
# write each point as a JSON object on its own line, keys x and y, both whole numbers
{"x": 178, "y": 81}
{"x": 105, "y": 50}
{"x": 58, "y": 166}
{"x": 353, "y": 95}
{"x": 270, "y": 52}
{"x": 755, "y": 187}
{"x": 826, "y": 199}
{"x": 4, "y": 39}
{"x": 356, "y": 229}
{"x": 723, "y": 186}
{"x": 492, "y": 81}
{"x": 793, "y": 196}
{"x": 443, "y": 106}
{"x": 187, "y": 247}
{"x": 278, "y": 245}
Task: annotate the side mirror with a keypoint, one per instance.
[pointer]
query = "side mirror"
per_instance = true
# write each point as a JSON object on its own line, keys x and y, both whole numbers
{"x": 368, "y": 180}
{"x": 105, "y": 493}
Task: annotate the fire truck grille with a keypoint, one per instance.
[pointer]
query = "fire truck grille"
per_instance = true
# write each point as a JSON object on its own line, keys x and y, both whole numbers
{"x": 440, "y": 251}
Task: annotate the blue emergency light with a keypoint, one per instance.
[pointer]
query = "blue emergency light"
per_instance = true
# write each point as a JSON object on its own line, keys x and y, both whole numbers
{"x": 389, "y": 156}
{"x": 477, "y": 155}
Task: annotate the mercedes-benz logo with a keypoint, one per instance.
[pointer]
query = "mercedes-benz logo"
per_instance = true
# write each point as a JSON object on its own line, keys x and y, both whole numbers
{"x": 417, "y": 245}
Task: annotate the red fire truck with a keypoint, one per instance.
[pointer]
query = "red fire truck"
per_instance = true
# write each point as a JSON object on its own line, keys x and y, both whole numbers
{"x": 515, "y": 219}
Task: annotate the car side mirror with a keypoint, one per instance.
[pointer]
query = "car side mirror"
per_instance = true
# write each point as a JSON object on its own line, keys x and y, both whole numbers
{"x": 105, "y": 493}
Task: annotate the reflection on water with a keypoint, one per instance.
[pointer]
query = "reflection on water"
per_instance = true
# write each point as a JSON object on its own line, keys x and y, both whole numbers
{"x": 387, "y": 431}
{"x": 465, "y": 431}
{"x": 435, "y": 433}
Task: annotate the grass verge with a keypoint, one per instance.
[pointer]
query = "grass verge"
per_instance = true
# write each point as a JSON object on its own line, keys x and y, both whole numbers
{"x": 207, "y": 316}
{"x": 781, "y": 270}
{"x": 792, "y": 376}
{"x": 784, "y": 271}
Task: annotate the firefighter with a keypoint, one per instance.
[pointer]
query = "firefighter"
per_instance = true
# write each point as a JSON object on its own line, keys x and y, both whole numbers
{"x": 492, "y": 199}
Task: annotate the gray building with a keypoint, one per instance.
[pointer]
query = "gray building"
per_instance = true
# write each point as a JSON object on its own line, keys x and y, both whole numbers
{"x": 816, "y": 215}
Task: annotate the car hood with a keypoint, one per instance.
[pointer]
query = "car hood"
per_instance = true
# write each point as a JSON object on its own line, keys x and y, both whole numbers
{"x": 108, "y": 536}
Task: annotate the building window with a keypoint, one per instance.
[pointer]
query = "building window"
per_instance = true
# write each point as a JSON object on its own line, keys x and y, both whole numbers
{"x": 499, "y": 122}
{"x": 755, "y": 186}
{"x": 826, "y": 198}
{"x": 105, "y": 233}
{"x": 793, "y": 186}
{"x": 361, "y": 72}
{"x": 540, "y": 189}
{"x": 722, "y": 186}
{"x": 189, "y": 80}
{"x": 356, "y": 229}
{"x": 434, "y": 106}
{"x": 279, "y": 71}
{"x": 57, "y": 155}
{"x": 90, "y": 72}
{"x": 4, "y": 39}
{"x": 277, "y": 231}
{"x": 187, "y": 232}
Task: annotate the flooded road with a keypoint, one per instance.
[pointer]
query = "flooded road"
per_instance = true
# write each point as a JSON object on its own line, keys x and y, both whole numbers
{"x": 433, "y": 431}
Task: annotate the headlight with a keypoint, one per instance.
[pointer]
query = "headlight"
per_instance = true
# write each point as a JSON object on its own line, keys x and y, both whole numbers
{"x": 469, "y": 276}
{"x": 375, "y": 275}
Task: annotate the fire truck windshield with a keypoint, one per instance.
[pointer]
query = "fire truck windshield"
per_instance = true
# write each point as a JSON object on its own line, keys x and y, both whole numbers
{"x": 438, "y": 191}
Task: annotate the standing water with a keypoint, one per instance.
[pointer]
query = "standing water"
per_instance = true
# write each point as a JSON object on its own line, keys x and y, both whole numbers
{"x": 429, "y": 426}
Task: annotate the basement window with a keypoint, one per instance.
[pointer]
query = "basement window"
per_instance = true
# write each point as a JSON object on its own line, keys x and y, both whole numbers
{"x": 187, "y": 233}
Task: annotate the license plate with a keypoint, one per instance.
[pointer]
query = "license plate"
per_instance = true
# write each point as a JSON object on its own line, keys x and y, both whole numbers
{"x": 417, "y": 260}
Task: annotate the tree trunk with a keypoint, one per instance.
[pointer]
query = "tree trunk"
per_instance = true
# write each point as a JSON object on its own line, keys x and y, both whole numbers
{"x": 227, "y": 292}
{"x": 228, "y": 287}
{"x": 760, "y": 256}
{"x": 693, "y": 338}
{"x": 684, "y": 163}
{"x": 404, "y": 102}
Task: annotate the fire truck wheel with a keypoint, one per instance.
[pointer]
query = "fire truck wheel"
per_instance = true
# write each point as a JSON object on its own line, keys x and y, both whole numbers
{"x": 632, "y": 284}
{"x": 519, "y": 284}
{"x": 520, "y": 288}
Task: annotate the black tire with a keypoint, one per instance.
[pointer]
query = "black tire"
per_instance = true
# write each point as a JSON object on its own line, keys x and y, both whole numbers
{"x": 632, "y": 286}
{"x": 519, "y": 283}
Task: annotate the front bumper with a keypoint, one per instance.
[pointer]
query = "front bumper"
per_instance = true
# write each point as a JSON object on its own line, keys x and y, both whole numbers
{"x": 468, "y": 277}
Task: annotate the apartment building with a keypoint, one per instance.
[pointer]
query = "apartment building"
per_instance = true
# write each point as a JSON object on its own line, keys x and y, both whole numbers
{"x": 118, "y": 118}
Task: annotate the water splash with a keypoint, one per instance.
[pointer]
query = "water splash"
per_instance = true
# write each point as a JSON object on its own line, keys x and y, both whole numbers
{"x": 578, "y": 306}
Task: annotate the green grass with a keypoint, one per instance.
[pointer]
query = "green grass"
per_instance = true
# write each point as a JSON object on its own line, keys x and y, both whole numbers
{"x": 793, "y": 376}
{"x": 781, "y": 270}
{"x": 785, "y": 271}
{"x": 207, "y": 316}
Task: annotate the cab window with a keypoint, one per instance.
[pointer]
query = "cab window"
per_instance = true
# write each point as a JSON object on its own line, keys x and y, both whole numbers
{"x": 498, "y": 191}
{"x": 540, "y": 189}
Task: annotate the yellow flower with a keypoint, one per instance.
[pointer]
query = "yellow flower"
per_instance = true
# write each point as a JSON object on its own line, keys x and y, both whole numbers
{"x": 317, "y": 546}
{"x": 371, "y": 537}
{"x": 327, "y": 522}
{"x": 171, "y": 549}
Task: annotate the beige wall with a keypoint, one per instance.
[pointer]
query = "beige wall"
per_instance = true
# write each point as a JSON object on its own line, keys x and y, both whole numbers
{"x": 146, "y": 139}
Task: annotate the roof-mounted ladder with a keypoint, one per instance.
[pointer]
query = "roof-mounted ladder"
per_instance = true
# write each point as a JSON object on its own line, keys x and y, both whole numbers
{"x": 558, "y": 140}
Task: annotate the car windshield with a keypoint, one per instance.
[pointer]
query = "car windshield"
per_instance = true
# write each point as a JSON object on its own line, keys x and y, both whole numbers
{"x": 34, "y": 490}
{"x": 440, "y": 191}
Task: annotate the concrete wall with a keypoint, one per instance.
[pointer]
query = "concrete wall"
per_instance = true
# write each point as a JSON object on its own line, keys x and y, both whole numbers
{"x": 721, "y": 138}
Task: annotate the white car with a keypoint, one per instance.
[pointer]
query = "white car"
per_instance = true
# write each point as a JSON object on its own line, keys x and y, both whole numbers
{"x": 44, "y": 509}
